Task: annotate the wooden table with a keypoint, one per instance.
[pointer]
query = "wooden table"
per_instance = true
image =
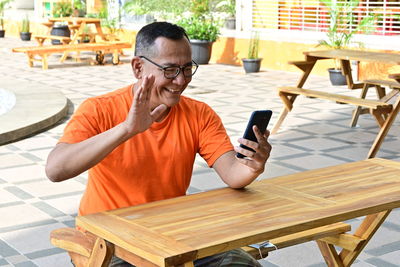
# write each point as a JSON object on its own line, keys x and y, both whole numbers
{"x": 384, "y": 113}
{"x": 77, "y": 25}
{"x": 180, "y": 230}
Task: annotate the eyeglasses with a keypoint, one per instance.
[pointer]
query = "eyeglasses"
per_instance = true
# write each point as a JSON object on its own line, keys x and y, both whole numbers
{"x": 171, "y": 72}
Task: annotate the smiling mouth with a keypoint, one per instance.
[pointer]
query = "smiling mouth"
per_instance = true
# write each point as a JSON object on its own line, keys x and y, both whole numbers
{"x": 173, "y": 91}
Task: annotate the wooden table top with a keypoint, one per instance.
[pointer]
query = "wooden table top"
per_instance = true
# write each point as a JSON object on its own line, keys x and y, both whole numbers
{"x": 357, "y": 55}
{"x": 182, "y": 229}
{"x": 75, "y": 20}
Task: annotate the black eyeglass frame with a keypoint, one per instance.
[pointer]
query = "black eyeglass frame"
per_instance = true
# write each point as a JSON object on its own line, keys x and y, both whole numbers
{"x": 179, "y": 68}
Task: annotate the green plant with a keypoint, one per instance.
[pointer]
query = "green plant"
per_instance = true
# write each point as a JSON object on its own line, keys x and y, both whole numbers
{"x": 227, "y": 6}
{"x": 79, "y": 4}
{"x": 344, "y": 24}
{"x": 62, "y": 9}
{"x": 25, "y": 27}
{"x": 164, "y": 8}
{"x": 254, "y": 45}
{"x": 200, "y": 28}
{"x": 3, "y": 4}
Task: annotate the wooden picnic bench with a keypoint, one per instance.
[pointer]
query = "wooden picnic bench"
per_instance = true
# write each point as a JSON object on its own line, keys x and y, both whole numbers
{"x": 44, "y": 51}
{"x": 384, "y": 112}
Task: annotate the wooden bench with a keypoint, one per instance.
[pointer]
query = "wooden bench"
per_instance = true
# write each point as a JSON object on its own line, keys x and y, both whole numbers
{"x": 380, "y": 91}
{"x": 379, "y": 109}
{"x": 85, "y": 248}
{"x": 44, "y": 51}
{"x": 42, "y": 38}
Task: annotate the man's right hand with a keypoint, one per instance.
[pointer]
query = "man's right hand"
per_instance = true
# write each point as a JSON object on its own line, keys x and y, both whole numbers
{"x": 141, "y": 116}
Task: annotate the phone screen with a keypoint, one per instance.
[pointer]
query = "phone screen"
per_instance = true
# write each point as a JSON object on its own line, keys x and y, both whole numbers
{"x": 260, "y": 118}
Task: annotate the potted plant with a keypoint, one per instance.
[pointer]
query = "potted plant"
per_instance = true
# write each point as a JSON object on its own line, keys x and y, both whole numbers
{"x": 343, "y": 26}
{"x": 253, "y": 62}
{"x": 24, "y": 32}
{"x": 3, "y": 4}
{"x": 202, "y": 32}
{"x": 61, "y": 9}
{"x": 79, "y": 8}
{"x": 229, "y": 8}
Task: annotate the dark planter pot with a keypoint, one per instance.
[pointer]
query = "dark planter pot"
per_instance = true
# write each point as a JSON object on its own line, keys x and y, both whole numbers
{"x": 336, "y": 77}
{"x": 60, "y": 30}
{"x": 230, "y": 23}
{"x": 25, "y": 36}
{"x": 201, "y": 51}
{"x": 251, "y": 64}
{"x": 2, "y": 33}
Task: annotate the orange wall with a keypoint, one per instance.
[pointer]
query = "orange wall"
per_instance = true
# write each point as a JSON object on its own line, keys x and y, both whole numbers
{"x": 275, "y": 54}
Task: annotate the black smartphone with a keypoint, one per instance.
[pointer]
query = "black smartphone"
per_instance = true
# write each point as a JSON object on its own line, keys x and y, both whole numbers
{"x": 260, "y": 118}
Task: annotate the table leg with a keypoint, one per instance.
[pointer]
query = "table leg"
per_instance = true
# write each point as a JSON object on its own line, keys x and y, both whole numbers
{"x": 353, "y": 244}
{"x": 306, "y": 67}
{"x": 44, "y": 62}
{"x": 346, "y": 69}
{"x": 357, "y": 110}
{"x": 385, "y": 129}
{"x": 288, "y": 106}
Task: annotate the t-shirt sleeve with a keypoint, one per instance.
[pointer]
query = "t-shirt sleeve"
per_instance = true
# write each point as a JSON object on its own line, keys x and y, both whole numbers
{"x": 85, "y": 123}
{"x": 213, "y": 139}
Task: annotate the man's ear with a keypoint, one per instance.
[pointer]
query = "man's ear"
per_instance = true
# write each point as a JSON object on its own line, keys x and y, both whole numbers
{"x": 137, "y": 67}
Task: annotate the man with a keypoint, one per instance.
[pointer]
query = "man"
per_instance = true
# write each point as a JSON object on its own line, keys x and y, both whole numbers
{"x": 139, "y": 142}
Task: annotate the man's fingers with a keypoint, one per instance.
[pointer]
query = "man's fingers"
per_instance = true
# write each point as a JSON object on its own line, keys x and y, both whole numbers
{"x": 156, "y": 113}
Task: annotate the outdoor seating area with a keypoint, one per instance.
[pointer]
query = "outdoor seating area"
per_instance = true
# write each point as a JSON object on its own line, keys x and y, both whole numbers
{"x": 73, "y": 43}
{"x": 316, "y": 134}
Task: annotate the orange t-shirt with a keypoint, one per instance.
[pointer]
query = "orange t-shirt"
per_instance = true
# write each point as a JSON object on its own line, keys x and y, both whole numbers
{"x": 153, "y": 165}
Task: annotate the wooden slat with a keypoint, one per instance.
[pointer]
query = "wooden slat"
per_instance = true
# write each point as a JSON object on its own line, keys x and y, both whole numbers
{"x": 392, "y": 84}
{"x": 137, "y": 239}
{"x": 335, "y": 97}
{"x": 358, "y": 55}
{"x": 72, "y": 47}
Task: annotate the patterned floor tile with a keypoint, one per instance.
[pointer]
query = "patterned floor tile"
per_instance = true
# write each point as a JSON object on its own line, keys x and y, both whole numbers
{"x": 315, "y": 134}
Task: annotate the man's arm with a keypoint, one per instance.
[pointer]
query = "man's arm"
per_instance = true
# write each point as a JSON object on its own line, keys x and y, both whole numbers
{"x": 237, "y": 172}
{"x": 68, "y": 160}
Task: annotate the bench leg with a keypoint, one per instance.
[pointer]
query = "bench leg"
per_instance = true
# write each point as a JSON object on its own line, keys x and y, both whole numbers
{"x": 115, "y": 57}
{"x": 361, "y": 236}
{"x": 31, "y": 58}
{"x": 385, "y": 128}
{"x": 288, "y": 100}
{"x": 357, "y": 110}
{"x": 44, "y": 62}
{"x": 64, "y": 56}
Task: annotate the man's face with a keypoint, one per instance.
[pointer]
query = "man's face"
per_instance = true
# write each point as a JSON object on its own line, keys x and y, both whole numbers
{"x": 168, "y": 53}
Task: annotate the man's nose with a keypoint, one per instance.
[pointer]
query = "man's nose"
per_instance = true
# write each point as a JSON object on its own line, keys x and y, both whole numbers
{"x": 180, "y": 79}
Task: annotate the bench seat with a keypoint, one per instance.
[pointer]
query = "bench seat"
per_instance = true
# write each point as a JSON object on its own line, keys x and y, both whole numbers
{"x": 391, "y": 84}
{"x": 372, "y": 104}
{"x": 42, "y": 38}
{"x": 45, "y": 51}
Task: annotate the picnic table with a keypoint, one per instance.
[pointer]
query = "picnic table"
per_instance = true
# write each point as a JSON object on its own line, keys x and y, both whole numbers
{"x": 180, "y": 230}
{"x": 384, "y": 109}
{"x": 74, "y": 42}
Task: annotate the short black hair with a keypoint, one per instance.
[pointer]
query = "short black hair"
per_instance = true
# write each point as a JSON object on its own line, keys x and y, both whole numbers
{"x": 147, "y": 35}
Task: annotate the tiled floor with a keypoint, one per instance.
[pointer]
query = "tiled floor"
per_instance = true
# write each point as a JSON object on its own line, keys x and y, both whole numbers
{"x": 315, "y": 134}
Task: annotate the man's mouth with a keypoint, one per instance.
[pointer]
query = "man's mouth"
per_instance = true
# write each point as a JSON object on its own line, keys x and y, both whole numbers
{"x": 173, "y": 91}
